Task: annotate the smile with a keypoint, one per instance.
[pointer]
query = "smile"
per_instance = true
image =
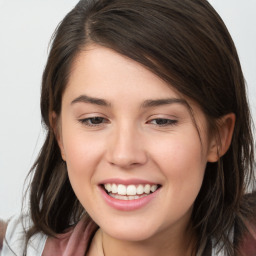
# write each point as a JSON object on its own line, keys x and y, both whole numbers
{"x": 130, "y": 192}
{"x": 128, "y": 195}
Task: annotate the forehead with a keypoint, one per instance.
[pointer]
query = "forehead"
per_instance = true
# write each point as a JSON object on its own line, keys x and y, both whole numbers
{"x": 104, "y": 72}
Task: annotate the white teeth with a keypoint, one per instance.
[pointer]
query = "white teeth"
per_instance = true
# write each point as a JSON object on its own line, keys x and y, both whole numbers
{"x": 147, "y": 189}
{"x": 153, "y": 188}
{"x": 130, "y": 190}
{"x": 121, "y": 189}
{"x": 116, "y": 196}
{"x": 114, "y": 188}
{"x": 108, "y": 187}
{"x": 140, "y": 190}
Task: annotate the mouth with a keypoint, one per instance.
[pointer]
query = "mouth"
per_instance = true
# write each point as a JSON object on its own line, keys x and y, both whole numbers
{"x": 129, "y": 192}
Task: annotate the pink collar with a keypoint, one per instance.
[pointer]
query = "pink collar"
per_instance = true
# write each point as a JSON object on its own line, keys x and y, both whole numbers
{"x": 75, "y": 242}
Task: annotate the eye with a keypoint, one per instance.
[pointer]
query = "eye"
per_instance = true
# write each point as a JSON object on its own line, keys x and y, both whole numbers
{"x": 163, "y": 122}
{"x": 94, "y": 121}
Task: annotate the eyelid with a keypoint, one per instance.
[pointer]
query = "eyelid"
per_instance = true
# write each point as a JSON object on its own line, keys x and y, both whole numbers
{"x": 90, "y": 114}
{"x": 170, "y": 120}
{"x": 87, "y": 121}
{"x": 162, "y": 116}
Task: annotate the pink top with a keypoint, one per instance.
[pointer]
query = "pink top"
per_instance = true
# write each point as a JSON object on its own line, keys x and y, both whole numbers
{"x": 248, "y": 244}
{"x": 74, "y": 242}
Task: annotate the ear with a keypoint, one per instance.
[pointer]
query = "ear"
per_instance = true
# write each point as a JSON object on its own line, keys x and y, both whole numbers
{"x": 56, "y": 127}
{"x": 220, "y": 143}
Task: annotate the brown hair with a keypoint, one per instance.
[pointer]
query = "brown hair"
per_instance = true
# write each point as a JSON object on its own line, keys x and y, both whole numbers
{"x": 186, "y": 44}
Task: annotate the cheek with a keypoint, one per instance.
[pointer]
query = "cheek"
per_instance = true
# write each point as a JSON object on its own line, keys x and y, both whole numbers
{"x": 83, "y": 154}
{"x": 82, "y": 158}
{"x": 180, "y": 155}
{"x": 183, "y": 164}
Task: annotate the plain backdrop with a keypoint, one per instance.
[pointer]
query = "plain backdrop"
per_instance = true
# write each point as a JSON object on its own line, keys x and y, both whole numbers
{"x": 26, "y": 27}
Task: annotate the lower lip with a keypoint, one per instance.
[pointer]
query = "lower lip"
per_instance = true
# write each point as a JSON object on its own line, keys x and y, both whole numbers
{"x": 128, "y": 205}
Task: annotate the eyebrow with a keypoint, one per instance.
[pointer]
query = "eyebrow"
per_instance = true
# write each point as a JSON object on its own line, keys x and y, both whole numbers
{"x": 87, "y": 99}
{"x": 160, "y": 102}
{"x": 146, "y": 104}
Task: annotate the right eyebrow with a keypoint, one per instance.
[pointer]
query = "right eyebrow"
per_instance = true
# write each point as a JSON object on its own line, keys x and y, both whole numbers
{"x": 160, "y": 102}
{"x": 87, "y": 99}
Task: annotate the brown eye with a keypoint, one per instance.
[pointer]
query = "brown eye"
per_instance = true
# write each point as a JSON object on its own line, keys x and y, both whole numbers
{"x": 163, "y": 122}
{"x": 93, "y": 121}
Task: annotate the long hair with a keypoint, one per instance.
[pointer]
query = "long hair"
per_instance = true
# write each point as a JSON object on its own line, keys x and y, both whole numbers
{"x": 187, "y": 45}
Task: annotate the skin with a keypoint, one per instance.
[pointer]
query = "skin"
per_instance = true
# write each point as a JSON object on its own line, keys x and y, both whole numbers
{"x": 159, "y": 144}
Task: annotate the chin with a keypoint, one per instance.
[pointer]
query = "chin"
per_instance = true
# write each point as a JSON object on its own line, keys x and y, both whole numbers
{"x": 130, "y": 235}
{"x": 127, "y": 231}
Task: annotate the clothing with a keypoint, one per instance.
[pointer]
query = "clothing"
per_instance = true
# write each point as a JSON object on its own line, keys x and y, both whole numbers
{"x": 14, "y": 242}
{"x": 75, "y": 242}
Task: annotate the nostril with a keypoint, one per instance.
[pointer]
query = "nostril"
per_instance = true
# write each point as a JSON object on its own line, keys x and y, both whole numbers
{"x": 126, "y": 153}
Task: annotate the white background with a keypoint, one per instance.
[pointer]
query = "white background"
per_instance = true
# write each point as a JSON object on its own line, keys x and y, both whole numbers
{"x": 25, "y": 30}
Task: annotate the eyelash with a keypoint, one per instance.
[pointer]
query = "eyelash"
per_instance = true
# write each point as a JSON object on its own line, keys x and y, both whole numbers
{"x": 101, "y": 120}
{"x": 163, "y": 122}
{"x": 88, "y": 121}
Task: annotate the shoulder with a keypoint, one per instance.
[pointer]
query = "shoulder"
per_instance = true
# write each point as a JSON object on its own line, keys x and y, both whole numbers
{"x": 247, "y": 242}
{"x": 247, "y": 245}
{"x": 15, "y": 238}
{"x": 75, "y": 241}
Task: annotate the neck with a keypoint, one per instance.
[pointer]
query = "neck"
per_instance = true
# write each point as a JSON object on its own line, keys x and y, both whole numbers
{"x": 161, "y": 245}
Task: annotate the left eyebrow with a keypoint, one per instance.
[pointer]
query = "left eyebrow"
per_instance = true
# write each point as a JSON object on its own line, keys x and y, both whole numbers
{"x": 160, "y": 102}
{"x": 87, "y": 99}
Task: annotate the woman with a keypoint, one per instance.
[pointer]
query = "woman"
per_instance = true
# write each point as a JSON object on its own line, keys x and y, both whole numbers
{"x": 149, "y": 149}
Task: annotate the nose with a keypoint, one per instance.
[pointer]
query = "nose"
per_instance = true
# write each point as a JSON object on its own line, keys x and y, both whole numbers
{"x": 126, "y": 148}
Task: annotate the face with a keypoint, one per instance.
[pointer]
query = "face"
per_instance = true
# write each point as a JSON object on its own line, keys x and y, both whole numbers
{"x": 133, "y": 153}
